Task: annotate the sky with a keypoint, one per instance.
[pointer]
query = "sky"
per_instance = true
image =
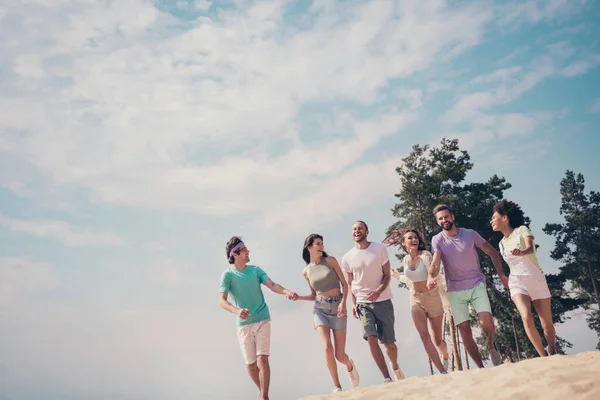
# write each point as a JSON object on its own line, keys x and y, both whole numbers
{"x": 137, "y": 137}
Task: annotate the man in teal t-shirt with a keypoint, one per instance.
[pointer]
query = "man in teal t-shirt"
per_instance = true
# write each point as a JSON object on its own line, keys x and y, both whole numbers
{"x": 243, "y": 282}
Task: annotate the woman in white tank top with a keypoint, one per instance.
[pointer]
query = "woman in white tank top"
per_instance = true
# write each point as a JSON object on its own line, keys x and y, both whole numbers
{"x": 425, "y": 305}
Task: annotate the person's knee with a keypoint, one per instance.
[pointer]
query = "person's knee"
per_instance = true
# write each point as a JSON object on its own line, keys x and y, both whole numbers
{"x": 390, "y": 347}
{"x": 328, "y": 349}
{"x": 527, "y": 318}
{"x": 253, "y": 367}
{"x": 548, "y": 327}
{"x": 373, "y": 340}
{"x": 263, "y": 361}
{"x": 424, "y": 335}
{"x": 340, "y": 356}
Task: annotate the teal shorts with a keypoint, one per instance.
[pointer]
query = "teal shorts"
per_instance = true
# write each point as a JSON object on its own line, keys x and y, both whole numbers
{"x": 460, "y": 300}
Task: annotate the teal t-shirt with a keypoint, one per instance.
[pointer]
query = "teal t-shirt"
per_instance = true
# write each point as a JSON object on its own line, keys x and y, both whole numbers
{"x": 244, "y": 287}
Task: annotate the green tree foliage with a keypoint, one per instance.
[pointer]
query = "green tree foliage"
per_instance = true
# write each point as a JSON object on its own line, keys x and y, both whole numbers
{"x": 577, "y": 244}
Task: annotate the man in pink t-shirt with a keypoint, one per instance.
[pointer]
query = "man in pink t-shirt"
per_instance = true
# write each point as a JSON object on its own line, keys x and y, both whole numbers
{"x": 367, "y": 268}
{"x": 457, "y": 249}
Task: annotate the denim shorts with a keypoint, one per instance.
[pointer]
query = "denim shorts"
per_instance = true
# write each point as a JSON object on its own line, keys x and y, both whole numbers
{"x": 325, "y": 313}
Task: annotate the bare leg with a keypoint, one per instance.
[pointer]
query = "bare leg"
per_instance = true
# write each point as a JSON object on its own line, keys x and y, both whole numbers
{"x": 340, "y": 349}
{"x": 329, "y": 358}
{"x": 253, "y": 371}
{"x": 420, "y": 320}
{"x": 436, "y": 325}
{"x": 264, "y": 374}
{"x": 469, "y": 343}
{"x": 392, "y": 352}
{"x": 523, "y": 303}
{"x": 542, "y": 306}
{"x": 378, "y": 355}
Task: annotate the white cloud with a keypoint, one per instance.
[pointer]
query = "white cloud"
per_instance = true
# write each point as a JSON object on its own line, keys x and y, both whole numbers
{"x": 202, "y": 5}
{"x": 62, "y": 231}
{"x": 580, "y": 67}
{"x": 142, "y": 118}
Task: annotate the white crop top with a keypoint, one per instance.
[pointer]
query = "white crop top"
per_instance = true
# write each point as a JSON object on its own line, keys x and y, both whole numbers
{"x": 419, "y": 274}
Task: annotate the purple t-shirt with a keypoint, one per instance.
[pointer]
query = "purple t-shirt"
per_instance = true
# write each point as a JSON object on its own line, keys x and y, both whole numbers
{"x": 459, "y": 255}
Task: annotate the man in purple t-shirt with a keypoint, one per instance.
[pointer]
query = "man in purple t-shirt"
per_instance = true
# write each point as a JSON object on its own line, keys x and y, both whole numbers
{"x": 456, "y": 248}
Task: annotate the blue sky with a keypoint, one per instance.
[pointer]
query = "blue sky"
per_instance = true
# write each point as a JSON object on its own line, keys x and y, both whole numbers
{"x": 137, "y": 137}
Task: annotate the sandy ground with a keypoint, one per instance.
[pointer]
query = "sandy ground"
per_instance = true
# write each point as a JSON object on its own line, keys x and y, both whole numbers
{"x": 557, "y": 377}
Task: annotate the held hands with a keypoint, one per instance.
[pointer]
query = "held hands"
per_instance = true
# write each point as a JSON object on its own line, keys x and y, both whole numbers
{"x": 290, "y": 295}
{"x": 431, "y": 283}
{"x": 243, "y": 313}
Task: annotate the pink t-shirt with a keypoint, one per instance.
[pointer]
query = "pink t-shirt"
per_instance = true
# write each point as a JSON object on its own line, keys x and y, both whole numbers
{"x": 366, "y": 267}
{"x": 459, "y": 255}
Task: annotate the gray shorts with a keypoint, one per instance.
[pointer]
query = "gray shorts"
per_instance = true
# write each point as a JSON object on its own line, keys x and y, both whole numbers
{"x": 377, "y": 320}
{"x": 325, "y": 313}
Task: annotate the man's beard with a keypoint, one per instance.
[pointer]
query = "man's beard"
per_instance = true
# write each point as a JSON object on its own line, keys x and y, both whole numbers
{"x": 449, "y": 226}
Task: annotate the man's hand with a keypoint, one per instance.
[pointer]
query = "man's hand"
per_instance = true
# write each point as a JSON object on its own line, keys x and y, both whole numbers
{"x": 342, "y": 309}
{"x": 354, "y": 311}
{"x": 290, "y": 295}
{"x": 431, "y": 282}
{"x": 243, "y": 313}
{"x": 373, "y": 296}
{"x": 504, "y": 280}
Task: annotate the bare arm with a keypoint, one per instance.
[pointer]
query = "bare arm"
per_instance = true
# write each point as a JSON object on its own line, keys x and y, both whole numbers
{"x": 277, "y": 288}
{"x": 313, "y": 294}
{"x": 336, "y": 267}
{"x": 528, "y": 247}
{"x": 488, "y": 249}
{"x": 226, "y": 305}
{"x": 434, "y": 266}
{"x": 387, "y": 277}
{"x": 350, "y": 278}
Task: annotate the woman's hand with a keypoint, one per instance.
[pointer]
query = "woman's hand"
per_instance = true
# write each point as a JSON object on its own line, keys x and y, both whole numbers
{"x": 342, "y": 309}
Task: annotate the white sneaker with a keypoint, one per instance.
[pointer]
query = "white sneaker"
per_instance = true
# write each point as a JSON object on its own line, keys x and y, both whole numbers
{"x": 336, "y": 389}
{"x": 495, "y": 356}
{"x": 387, "y": 380}
{"x": 353, "y": 375}
{"x": 398, "y": 372}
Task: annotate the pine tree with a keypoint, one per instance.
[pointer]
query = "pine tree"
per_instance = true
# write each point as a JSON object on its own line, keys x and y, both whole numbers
{"x": 577, "y": 244}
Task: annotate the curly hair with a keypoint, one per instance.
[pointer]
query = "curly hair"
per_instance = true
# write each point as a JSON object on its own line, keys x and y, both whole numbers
{"x": 512, "y": 210}
{"x": 230, "y": 245}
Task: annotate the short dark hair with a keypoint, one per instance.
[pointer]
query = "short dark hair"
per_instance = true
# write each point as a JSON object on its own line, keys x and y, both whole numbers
{"x": 364, "y": 223}
{"x": 442, "y": 207}
{"x": 421, "y": 244}
{"x": 310, "y": 239}
{"x": 234, "y": 241}
{"x": 512, "y": 210}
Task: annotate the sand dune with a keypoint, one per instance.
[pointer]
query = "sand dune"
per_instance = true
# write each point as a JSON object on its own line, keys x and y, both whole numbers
{"x": 558, "y": 377}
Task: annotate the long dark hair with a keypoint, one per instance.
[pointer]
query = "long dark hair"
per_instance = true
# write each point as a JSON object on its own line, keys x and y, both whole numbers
{"x": 421, "y": 243}
{"x": 309, "y": 242}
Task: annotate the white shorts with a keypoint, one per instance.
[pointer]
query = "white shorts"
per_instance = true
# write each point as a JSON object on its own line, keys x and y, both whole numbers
{"x": 534, "y": 286}
{"x": 255, "y": 340}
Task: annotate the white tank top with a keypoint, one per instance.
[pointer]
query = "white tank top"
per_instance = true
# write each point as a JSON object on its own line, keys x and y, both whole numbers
{"x": 419, "y": 274}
